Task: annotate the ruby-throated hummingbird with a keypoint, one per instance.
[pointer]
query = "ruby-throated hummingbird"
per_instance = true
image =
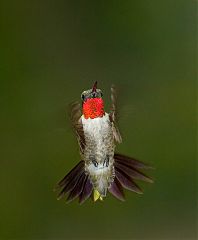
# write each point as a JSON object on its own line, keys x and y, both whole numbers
{"x": 100, "y": 170}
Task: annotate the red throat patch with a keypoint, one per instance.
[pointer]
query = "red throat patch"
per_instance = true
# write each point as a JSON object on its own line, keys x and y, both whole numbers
{"x": 93, "y": 108}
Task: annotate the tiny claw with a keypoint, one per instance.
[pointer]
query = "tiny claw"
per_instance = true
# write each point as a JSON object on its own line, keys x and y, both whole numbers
{"x": 106, "y": 161}
{"x": 95, "y": 163}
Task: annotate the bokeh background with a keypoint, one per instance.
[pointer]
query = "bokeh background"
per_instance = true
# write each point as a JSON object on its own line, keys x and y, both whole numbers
{"x": 53, "y": 50}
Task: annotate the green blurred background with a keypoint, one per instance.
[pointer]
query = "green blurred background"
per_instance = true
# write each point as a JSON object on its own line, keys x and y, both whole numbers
{"x": 53, "y": 50}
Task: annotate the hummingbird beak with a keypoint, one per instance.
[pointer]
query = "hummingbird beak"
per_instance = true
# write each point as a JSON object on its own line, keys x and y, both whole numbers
{"x": 94, "y": 87}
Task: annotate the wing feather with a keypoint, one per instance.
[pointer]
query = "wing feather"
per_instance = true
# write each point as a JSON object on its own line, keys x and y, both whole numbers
{"x": 113, "y": 115}
{"x": 75, "y": 117}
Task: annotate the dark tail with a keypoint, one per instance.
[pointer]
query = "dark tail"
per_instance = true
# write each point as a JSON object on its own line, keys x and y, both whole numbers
{"x": 75, "y": 184}
{"x": 126, "y": 171}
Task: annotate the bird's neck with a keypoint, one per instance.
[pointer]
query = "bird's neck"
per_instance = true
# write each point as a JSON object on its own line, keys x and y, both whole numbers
{"x": 93, "y": 108}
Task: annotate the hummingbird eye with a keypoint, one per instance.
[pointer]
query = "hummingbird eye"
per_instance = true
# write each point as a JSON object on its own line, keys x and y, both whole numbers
{"x": 83, "y": 97}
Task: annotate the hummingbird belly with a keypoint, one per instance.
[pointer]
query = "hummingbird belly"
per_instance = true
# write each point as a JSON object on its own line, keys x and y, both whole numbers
{"x": 99, "y": 152}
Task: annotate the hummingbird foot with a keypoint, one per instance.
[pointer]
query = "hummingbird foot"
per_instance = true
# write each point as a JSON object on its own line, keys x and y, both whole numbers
{"x": 95, "y": 163}
{"x": 97, "y": 196}
{"x": 106, "y": 161}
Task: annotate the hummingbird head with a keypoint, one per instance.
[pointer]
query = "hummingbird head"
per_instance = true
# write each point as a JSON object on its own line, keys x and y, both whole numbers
{"x": 91, "y": 93}
{"x": 92, "y": 102}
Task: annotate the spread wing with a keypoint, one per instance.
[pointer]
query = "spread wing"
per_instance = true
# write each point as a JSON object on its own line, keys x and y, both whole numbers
{"x": 113, "y": 115}
{"x": 75, "y": 117}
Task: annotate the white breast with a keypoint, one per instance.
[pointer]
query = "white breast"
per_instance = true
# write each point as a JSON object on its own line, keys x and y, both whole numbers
{"x": 98, "y": 138}
{"x": 97, "y": 127}
{"x": 99, "y": 144}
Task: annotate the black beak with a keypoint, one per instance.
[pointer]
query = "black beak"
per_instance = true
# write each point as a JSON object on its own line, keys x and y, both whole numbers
{"x": 94, "y": 87}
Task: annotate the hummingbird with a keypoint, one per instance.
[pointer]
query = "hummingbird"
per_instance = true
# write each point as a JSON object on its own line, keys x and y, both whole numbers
{"x": 101, "y": 170}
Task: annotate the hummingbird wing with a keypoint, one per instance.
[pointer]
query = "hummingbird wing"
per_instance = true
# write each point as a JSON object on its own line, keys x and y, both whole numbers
{"x": 113, "y": 115}
{"x": 75, "y": 117}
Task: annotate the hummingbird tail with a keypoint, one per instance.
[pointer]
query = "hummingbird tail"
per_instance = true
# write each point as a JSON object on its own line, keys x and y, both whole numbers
{"x": 75, "y": 184}
{"x": 127, "y": 170}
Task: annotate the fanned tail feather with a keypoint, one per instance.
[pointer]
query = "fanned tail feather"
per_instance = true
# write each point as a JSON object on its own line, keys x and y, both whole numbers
{"x": 129, "y": 161}
{"x": 133, "y": 172}
{"x": 76, "y": 184}
{"x": 76, "y": 191}
{"x": 86, "y": 192}
{"x": 117, "y": 190}
{"x": 70, "y": 175}
{"x": 126, "y": 171}
{"x": 127, "y": 182}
